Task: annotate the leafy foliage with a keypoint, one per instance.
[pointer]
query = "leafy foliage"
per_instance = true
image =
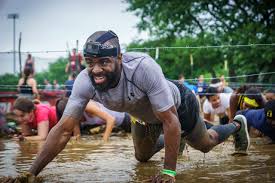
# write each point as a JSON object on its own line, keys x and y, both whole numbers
{"x": 197, "y": 16}
{"x": 8, "y": 82}
{"x": 206, "y": 22}
{"x": 56, "y": 71}
{"x": 177, "y": 61}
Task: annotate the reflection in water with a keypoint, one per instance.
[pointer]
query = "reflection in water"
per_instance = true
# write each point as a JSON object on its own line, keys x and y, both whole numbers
{"x": 89, "y": 160}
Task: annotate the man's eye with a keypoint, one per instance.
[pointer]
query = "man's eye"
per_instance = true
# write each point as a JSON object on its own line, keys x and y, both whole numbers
{"x": 91, "y": 64}
{"x": 104, "y": 62}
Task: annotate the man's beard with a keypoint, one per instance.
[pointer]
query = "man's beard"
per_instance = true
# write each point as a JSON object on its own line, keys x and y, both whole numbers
{"x": 111, "y": 81}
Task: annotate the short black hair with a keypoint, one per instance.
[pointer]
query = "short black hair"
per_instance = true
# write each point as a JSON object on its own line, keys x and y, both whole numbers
{"x": 270, "y": 90}
{"x": 215, "y": 80}
{"x": 211, "y": 91}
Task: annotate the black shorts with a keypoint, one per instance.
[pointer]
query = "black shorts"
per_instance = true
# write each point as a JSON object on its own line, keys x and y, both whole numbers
{"x": 126, "y": 124}
{"x": 188, "y": 111}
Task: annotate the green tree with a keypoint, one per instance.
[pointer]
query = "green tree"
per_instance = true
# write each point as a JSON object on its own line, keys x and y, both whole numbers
{"x": 176, "y": 17}
{"x": 8, "y": 82}
{"x": 232, "y": 22}
{"x": 56, "y": 71}
{"x": 177, "y": 60}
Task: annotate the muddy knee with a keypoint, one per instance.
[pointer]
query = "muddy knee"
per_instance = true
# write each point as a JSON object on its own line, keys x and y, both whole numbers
{"x": 202, "y": 146}
{"x": 143, "y": 157}
{"x": 205, "y": 149}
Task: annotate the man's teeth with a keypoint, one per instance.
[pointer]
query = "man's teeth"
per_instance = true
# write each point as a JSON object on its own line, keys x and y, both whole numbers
{"x": 99, "y": 77}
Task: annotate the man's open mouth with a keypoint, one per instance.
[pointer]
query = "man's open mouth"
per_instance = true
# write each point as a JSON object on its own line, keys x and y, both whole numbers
{"x": 99, "y": 79}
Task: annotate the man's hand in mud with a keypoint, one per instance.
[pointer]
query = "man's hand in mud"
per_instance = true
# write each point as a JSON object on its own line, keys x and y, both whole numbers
{"x": 25, "y": 177}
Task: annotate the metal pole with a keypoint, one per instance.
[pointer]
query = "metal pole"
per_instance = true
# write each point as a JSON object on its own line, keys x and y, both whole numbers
{"x": 19, "y": 54}
{"x": 14, "y": 16}
{"x": 14, "y": 62}
{"x": 191, "y": 64}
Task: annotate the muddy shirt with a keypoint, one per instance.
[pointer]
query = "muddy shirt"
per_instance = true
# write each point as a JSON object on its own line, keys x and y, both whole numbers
{"x": 142, "y": 89}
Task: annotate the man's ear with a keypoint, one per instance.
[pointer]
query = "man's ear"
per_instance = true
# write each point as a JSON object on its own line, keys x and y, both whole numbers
{"x": 119, "y": 58}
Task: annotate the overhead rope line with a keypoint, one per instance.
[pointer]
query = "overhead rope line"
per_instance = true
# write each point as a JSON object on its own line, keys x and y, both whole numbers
{"x": 160, "y": 47}
{"x": 202, "y": 47}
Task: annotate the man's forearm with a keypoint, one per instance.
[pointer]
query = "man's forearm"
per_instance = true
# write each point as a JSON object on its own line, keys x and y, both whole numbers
{"x": 55, "y": 142}
{"x": 172, "y": 143}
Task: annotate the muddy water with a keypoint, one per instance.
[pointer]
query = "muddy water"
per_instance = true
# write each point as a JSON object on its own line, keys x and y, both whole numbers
{"x": 91, "y": 161}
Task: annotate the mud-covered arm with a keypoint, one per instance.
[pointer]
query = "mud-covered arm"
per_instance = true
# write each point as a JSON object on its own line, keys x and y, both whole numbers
{"x": 55, "y": 143}
{"x": 62, "y": 131}
{"x": 171, "y": 128}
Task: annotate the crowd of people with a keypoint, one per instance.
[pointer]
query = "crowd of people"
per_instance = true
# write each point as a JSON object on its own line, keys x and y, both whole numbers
{"x": 130, "y": 91}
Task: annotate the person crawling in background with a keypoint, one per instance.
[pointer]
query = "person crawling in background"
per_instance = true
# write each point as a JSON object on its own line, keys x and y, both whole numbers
{"x": 34, "y": 117}
{"x": 96, "y": 114}
{"x": 245, "y": 97}
{"x": 261, "y": 119}
{"x": 216, "y": 104}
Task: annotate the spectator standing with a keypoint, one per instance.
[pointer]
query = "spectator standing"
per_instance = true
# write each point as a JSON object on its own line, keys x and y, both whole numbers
{"x": 30, "y": 63}
{"x": 69, "y": 84}
{"x": 27, "y": 86}
{"x": 48, "y": 85}
{"x": 216, "y": 83}
{"x": 56, "y": 86}
{"x": 201, "y": 85}
{"x": 224, "y": 82}
{"x": 193, "y": 88}
{"x": 75, "y": 62}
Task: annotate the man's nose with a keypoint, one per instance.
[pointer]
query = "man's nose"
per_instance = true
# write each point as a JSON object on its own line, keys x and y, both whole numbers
{"x": 97, "y": 69}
